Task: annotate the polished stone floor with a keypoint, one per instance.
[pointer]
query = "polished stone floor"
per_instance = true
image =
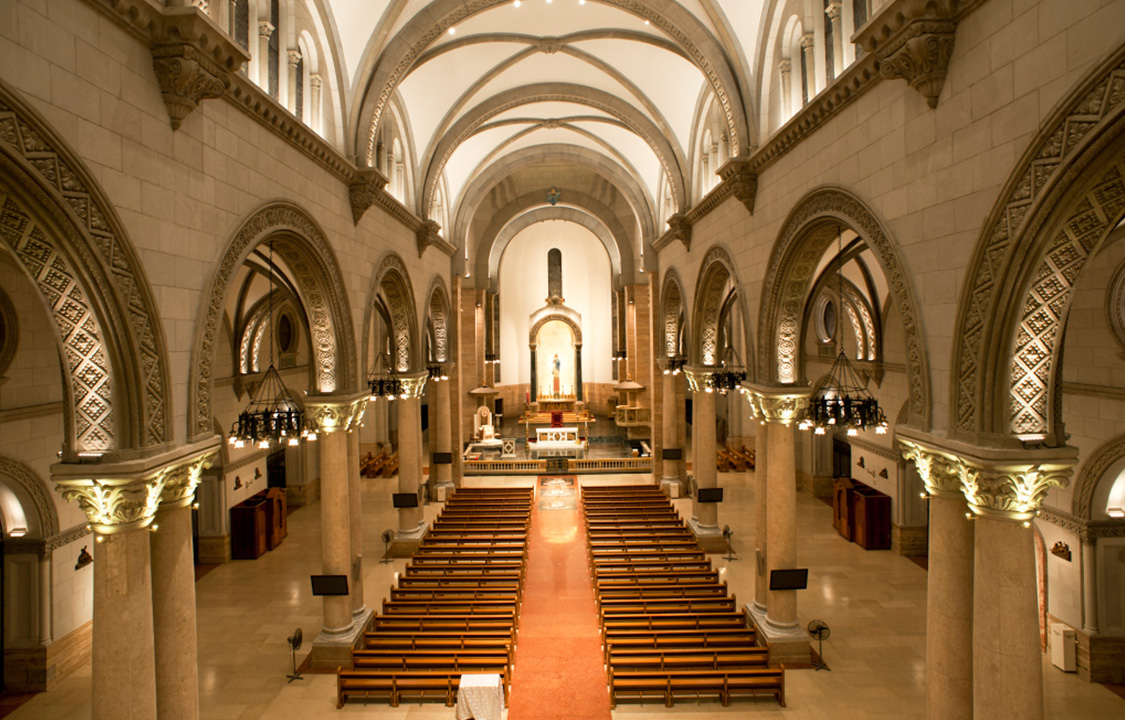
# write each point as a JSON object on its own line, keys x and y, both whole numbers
{"x": 874, "y": 603}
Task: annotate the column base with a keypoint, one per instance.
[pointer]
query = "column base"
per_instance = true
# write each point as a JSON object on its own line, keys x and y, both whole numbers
{"x": 406, "y": 542}
{"x": 787, "y": 645}
{"x": 333, "y": 650}
{"x": 672, "y": 487}
{"x": 710, "y": 538}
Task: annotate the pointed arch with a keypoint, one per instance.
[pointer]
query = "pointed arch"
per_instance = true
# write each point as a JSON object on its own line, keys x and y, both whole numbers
{"x": 440, "y": 319}
{"x": 716, "y": 273}
{"x": 806, "y": 233}
{"x": 673, "y": 313}
{"x": 392, "y": 280}
{"x": 299, "y": 241}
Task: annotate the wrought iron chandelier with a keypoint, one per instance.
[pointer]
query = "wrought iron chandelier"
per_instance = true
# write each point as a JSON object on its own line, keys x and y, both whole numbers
{"x": 843, "y": 400}
{"x": 731, "y": 375}
{"x": 675, "y": 365}
{"x": 272, "y": 416}
{"x": 382, "y": 381}
{"x": 437, "y": 373}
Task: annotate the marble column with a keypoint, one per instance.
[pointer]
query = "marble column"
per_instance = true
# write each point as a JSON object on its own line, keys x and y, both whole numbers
{"x": 834, "y": 11}
{"x": 265, "y": 31}
{"x": 411, "y": 522}
{"x": 761, "y": 519}
{"x": 808, "y": 48}
{"x": 671, "y": 439}
{"x": 315, "y": 83}
{"x": 949, "y": 588}
{"x": 705, "y": 516}
{"x": 778, "y": 407}
{"x": 355, "y": 524}
{"x": 785, "y": 69}
{"x": 442, "y": 435}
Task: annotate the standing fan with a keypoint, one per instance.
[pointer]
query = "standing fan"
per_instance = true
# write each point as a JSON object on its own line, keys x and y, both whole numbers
{"x": 388, "y": 535}
{"x": 295, "y": 645}
{"x": 727, "y": 533}
{"x": 819, "y": 631}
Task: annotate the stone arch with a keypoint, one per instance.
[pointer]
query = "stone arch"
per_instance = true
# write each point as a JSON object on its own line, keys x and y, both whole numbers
{"x": 1064, "y": 197}
{"x": 432, "y": 22}
{"x": 716, "y": 270}
{"x": 299, "y": 241}
{"x": 673, "y": 310}
{"x": 810, "y": 228}
{"x": 1095, "y": 467}
{"x": 393, "y": 280}
{"x": 66, "y": 235}
{"x": 440, "y": 319}
{"x": 555, "y": 313}
{"x": 32, "y": 486}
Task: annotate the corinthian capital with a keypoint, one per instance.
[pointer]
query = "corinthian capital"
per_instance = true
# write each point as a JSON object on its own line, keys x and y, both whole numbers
{"x": 1014, "y": 492}
{"x": 180, "y": 481}
{"x": 414, "y": 386}
{"x": 920, "y": 56}
{"x": 115, "y": 505}
{"x": 330, "y": 413}
{"x": 779, "y": 405}
{"x": 940, "y": 473}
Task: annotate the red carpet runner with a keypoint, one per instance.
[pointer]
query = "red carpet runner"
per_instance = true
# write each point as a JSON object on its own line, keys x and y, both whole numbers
{"x": 560, "y": 671}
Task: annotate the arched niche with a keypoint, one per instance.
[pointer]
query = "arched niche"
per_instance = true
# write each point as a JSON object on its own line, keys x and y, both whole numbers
{"x": 34, "y": 497}
{"x": 717, "y": 277}
{"x": 673, "y": 315}
{"x": 439, "y": 322}
{"x": 390, "y": 286}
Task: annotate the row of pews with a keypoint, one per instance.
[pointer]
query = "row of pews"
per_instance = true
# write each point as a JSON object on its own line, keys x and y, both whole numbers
{"x": 728, "y": 459}
{"x": 456, "y": 607}
{"x": 385, "y": 464}
{"x": 669, "y": 627}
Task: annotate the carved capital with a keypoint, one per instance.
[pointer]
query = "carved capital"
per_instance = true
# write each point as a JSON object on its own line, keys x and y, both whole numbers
{"x": 920, "y": 55}
{"x": 328, "y": 414}
{"x": 680, "y": 229}
{"x": 294, "y": 56}
{"x": 414, "y": 386}
{"x": 698, "y": 378}
{"x": 364, "y": 192}
{"x": 180, "y": 481}
{"x": 939, "y": 472}
{"x": 115, "y": 505}
{"x": 1014, "y": 492}
{"x": 808, "y": 41}
{"x": 427, "y": 235}
{"x": 265, "y": 29}
{"x": 742, "y": 181}
{"x": 785, "y": 66}
{"x": 834, "y": 10}
{"x": 315, "y": 81}
{"x": 780, "y": 405}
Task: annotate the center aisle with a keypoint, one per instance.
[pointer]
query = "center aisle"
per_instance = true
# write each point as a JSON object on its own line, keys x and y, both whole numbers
{"x": 559, "y": 668}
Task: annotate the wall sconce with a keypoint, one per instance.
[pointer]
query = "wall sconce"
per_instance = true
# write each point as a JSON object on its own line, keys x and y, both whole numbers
{"x": 1061, "y": 550}
{"x": 84, "y": 558}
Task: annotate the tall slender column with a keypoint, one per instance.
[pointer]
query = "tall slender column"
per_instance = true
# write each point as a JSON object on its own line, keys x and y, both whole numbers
{"x": 411, "y": 523}
{"x": 835, "y": 41}
{"x": 761, "y": 519}
{"x": 705, "y": 516}
{"x": 1089, "y": 587}
{"x": 949, "y": 588}
{"x": 291, "y": 79}
{"x": 45, "y": 633}
{"x": 778, "y": 407}
{"x": 355, "y": 524}
{"x": 265, "y": 31}
{"x": 808, "y": 47}
{"x": 442, "y": 434}
{"x": 785, "y": 69}
{"x": 578, "y": 373}
{"x": 315, "y": 82}
{"x": 333, "y": 417}
{"x": 671, "y": 438}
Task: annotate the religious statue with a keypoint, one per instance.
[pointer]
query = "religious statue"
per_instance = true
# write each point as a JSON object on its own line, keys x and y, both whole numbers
{"x": 555, "y": 365}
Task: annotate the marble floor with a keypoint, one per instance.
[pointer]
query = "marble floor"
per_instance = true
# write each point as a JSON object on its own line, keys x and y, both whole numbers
{"x": 874, "y": 603}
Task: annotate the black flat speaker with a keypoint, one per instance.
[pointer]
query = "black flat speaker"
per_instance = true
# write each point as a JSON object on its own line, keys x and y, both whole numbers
{"x": 672, "y": 454}
{"x": 442, "y": 458}
{"x": 710, "y": 495}
{"x": 329, "y": 584}
{"x": 404, "y": 500}
{"x": 795, "y": 579}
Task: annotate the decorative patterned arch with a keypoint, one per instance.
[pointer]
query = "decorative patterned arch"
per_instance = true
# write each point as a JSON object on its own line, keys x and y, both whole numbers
{"x": 805, "y": 235}
{"x": 299, "y": 241}
{"x": 1066, "y": 194}
{"x": 1091, "y": 474}
{"x": 672, "y": 310}
{"x": 66, "y": 236}
{"x": 551, "y": 313}
{"x": 27, "y": 480}
{"x": 715, "y": 272}
{"x": 392, "y": 279}
{"x": 440, "y": 318}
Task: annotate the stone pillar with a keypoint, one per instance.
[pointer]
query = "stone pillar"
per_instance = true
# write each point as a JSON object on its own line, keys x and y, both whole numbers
{"x": 45, "y": 633}
{"x": 121, "y": 505}
{"x": 808, "y": 47}
{"x": 1004, "y": 488}
{"x": 265, "y": 31}
{"x": 294, "y": 57}
{"x": 333, "y": 417}
{"x": 834, "y": 11}
{"x": 355, "y": 526}
{"x": 778, "y": 407}
{"x": 671, "y": 439}
{"x": 785, "y": 69}
{"x": 705, "y": 516}
{"x": 442, "y": 435}
{"x": 949, "y": 588}
{"x": 578, "y": 373}
{"x": 411, "y": 522}
{"x": 534, "y": 377}
{"x": 314, "y": 103}
{"x": 761, "y": 519}
{"x": 1089, "y": 587}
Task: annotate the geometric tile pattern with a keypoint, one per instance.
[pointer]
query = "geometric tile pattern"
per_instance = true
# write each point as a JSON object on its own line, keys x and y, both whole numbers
{"x": 86, "y": 361}
{"x": 106, "y": 254}
{"x": 1006, "y": 237}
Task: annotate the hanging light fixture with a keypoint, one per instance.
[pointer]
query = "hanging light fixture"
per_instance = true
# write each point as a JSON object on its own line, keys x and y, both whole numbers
{"x": 272, "y": 416}
{"x": 731, "y": 375}
{"x": 437, "y": 373}
{"x": 675, "y": 365}
{"x": 843, "y": 400}
{"x": 383, "y": 381}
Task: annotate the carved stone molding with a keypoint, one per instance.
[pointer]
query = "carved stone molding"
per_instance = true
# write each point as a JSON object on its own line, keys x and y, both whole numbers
{"x": 776, "y": 404}
{"x": 180, "y": 481}
{"x": 914, "y": 41}
{"x": 938, "y": 471}
{"x": 413, "y": 386}
{"x": 368, "y": 184}
{"x": 679, "y": 227}
{"x": 427, "y": 235}
{"x": 186, "y": 77}
{"x": 1091, "y": 473}
{"x": 329, "y": 414}
{"x": 43, "y": 547}
{"x": 9, "y": 332}
{"x": 698, "y": 378}
{"x": 743, "y": 181}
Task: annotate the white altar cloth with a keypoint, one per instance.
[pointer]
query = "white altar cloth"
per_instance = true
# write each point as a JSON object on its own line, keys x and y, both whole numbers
{"x": 480, "y": 696}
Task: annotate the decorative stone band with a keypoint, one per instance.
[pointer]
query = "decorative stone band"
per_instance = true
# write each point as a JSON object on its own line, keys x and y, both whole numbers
{"x": 329, "y": 413}
{"x": 776, "y": 404}
{"x": 119, "y": 496}
{"x": 698, "y": 377}
{"x": 1005, "y": 483}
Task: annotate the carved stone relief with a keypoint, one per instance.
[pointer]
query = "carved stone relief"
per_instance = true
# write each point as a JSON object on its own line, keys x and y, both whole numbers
{"x": 394, "y": 284}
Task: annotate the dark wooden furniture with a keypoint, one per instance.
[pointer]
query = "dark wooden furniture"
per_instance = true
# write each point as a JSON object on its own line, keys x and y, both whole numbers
{"x": 276, "y": 513}
{"x": 249, "y": 529}
{"x": 871, "y": 513}
{"x": 843, "y": 497}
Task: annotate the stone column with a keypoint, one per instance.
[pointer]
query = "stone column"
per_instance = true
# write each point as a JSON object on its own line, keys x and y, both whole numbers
{"x": 949, "y": 588}
{"x": 808, "y": 47}
{"x": 355, "y": 525}
{"x": 578, "y": 373}
{"x": 785, "y": 69}
{"x": 265, "y": 31}
{"x": 120, "y": 502}
{"x": 45, "y": 634}
{"x": 761, "y": 519}
{"x": 779, "y": 407}
{"x": 173, "y": 594}
{"x": 315, "y": 82}
{"x": 442, "y": 435}
{"x": 332, "y": 417}
{"x": 834, "y": 11}
{"x": 671, "y": 439}
{"x": 534, "y": 377}
{"x": 1089, "y": 587}
{"x": 294, "y": 57}
{"x": 411, "y": 522}
{"x": 705, "y": 516}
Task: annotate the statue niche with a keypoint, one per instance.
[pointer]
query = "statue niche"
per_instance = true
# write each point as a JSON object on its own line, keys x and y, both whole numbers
{"x": 556, "y": 343}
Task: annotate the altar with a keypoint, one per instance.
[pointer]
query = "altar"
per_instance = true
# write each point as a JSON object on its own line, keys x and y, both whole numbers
{"x": 558, "y": 442}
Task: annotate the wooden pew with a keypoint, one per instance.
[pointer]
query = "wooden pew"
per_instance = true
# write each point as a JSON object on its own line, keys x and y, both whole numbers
{"x": 723, "y": 683}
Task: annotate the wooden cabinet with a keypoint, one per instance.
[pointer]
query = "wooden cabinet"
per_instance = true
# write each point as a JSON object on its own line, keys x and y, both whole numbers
{"x": 276, "y": 513}
{"x": 871, "y": 512}
{"x": 843, "y": 495}
{"x": 249, "y": 529}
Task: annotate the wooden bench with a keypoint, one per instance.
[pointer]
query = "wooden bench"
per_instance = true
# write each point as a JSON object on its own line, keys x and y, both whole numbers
{"x": 390, "y": 467}
{"x": 394, "y": 685}
{"x": 724, "y": 684}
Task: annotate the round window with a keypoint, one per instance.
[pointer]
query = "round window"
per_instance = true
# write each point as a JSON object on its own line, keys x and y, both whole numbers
{"x": 828, "y": 320}
{"x": 285, "y": 334}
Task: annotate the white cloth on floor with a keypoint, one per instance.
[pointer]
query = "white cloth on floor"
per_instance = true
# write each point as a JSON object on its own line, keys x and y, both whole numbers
{"x": 480, "y": 696}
